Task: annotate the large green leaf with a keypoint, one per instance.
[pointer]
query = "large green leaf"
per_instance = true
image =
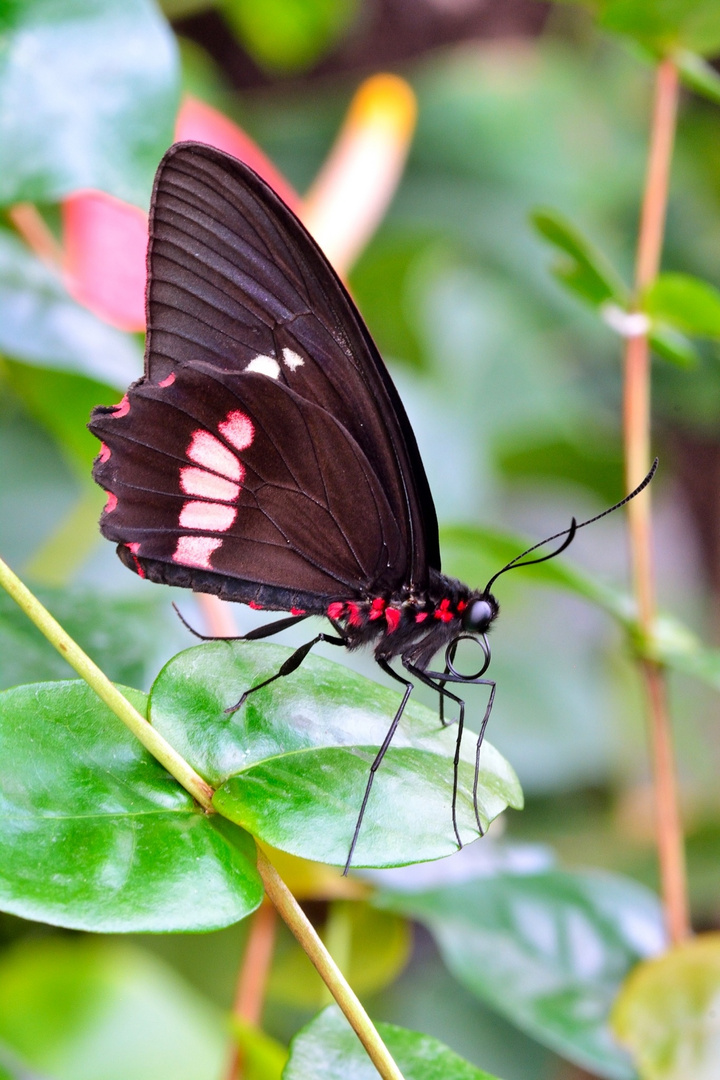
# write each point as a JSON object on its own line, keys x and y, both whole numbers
{"x": 293, "y": 763}
{"x": 328, "y": 1049}
{"x": 474, "y": 554}
{"x": 667, "y": 1012}
{"x": 94, "y": 833}
{"x": 61, "y": 403}
{"x": 123, "y": 636}
{"x": 43, "y": 326}
{"x": 81, "y": 1009}
{"x": 549, "y": 951}
{"x": 88, "y": 94}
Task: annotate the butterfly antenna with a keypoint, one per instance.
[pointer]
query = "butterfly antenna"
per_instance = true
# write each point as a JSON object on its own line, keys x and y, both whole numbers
{"x": 569, "y": 533}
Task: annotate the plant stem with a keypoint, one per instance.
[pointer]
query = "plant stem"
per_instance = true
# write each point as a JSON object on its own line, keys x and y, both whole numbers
{"x": 636, "y": 416}
{"x": 151, "y": 739}
{"x": 248, "y": 1004}
{"x": 307, "y": 937}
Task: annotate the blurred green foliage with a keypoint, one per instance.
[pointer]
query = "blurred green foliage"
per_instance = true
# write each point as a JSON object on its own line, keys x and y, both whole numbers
{"x": 513, "y": 389}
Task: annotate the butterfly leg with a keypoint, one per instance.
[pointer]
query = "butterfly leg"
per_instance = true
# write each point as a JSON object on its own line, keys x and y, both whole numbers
{"x": 440, "y": 688}
{"x": 441, "y": 677}
{"x": 380, "y": 754}
{"x": 481, "y": 736}
{"x": 291, "y": 664}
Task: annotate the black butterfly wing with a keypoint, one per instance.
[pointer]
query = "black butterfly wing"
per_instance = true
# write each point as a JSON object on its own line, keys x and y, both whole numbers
{"x": 266, "y": 446}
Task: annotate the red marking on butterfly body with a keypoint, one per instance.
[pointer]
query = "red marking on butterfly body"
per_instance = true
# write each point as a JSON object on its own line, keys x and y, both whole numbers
{"x": 443, "y": 612}
{"x": 299, "y": 610}
{"x": 335, "y": 609}
{"x": 104, "y": 453}
{"x": 355, "y": 618}
{"x": 111, "y": 503}
{"x": 421, "y": 616}
{"x": 254, "y": 606}
{"x": 168, "y": 381}
{"x": 122, "y": 408}
{"x": 393, "y": 618}
{"x": 461, "y": 605}
{"x": 377, "y": 607}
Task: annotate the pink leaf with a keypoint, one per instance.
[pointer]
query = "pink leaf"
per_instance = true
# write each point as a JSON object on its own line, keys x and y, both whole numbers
{"x": 104, "y": 242}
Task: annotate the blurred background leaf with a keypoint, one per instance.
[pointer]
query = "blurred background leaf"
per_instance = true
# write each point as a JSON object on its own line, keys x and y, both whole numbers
{"x": 512, "y": 385}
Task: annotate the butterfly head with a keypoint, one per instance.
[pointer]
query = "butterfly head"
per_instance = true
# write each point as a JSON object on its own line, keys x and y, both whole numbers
{"x": 478, "y": 615}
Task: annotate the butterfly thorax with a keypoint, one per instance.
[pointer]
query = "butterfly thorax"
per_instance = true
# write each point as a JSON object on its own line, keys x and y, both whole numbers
{"x": 415, "y": 624}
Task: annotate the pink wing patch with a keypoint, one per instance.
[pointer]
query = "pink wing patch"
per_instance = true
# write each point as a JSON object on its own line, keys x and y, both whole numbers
{"x": 196, "y": 550}
{"x": 207, "y": 516}
{"x": 216, "y": 484}
{"x": 238, "y": 429}
{"x": 207, "y": 485}
{"x": 205, "y": 449}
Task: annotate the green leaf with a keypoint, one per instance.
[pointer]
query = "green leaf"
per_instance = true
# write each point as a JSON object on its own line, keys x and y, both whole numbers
{"x": 328, "y": 1049}
{"x": 95, "y": 835}
{"x": 676, "y": 646}
{"x": 667, "y": 1012}
{"x": 288, "y": 35}
{"x": 123, "y": 636}
{"x": 674, "y": 347}
{"x": 589, "y": 457}
{"x": 61, "y": 403}
{"x": 371, "y": 948}
{"x": 88, "y": 95}
{"x": 584, "y": 270}
{"x": 698, "y": 75}
{"x": 263, "y": 1057}
{"x": 686, "y": 303}
{"x": 664, "y": 26}
{"x": 43, "y": 326}
{"x": 292, "y": 765}
{"x": 474, "y": 554}
{"x": 80, "y": 1009}
{"x": 547, "y": 950}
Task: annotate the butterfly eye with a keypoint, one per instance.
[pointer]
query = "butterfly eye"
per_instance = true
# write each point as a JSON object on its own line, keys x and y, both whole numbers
{"x": 478, "y": 616}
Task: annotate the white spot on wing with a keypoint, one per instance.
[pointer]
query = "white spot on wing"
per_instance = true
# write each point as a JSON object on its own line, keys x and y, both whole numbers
{"x": 205, "y": 449}
{"x": 265, "y": 365}
{"x": 196, "y": 550}
{"x": 238, "y": 429}
{"x": 207, "y": 485}
{"x": 207, "y": 516}
{"x": 292, "y": 359}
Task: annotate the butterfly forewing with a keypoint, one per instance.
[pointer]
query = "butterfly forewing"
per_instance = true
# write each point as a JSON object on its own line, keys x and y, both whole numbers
{"x": 266, "y": 444}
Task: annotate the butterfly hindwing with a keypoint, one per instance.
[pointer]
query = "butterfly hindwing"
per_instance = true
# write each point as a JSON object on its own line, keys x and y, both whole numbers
{"x": 266, "y": 443}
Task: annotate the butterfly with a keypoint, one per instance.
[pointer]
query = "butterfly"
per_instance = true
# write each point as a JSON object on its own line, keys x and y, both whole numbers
{"x": 265, "y": 455}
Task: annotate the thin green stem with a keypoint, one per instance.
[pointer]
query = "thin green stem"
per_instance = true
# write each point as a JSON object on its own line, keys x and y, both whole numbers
{"x": 94, "y": 677}
{"x": 310, "y": 942}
